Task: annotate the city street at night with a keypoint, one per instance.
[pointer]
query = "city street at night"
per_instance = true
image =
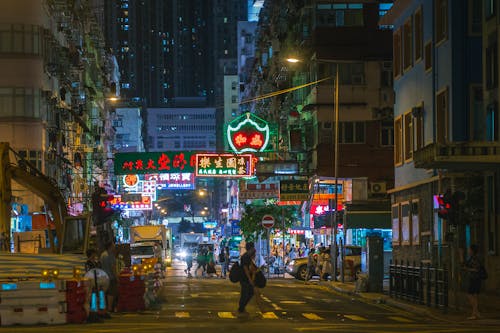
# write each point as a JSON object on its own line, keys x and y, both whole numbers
{"x": 209, "y": 305}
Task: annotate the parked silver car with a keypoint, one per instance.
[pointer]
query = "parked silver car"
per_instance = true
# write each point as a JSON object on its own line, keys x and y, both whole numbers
{"x": 298, "y": 267}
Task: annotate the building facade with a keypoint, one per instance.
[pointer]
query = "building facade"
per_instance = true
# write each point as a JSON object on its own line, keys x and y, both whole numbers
{"x": 178, "y": 129}
{"x": 53, "y": 109}
{"x": 445, "y": 142}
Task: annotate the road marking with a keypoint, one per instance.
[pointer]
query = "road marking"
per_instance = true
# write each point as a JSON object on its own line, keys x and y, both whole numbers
{"x": 276, "y": 307}
{"x": 269, "y": 315}
{"x": 182, "y": 315}
{"x": 355, "y": 317}
{"x": 292, "y": 302}
{"x": 312, "y": 316}
{"x": 401, "y": 319}
{"x": 226, "y": 315}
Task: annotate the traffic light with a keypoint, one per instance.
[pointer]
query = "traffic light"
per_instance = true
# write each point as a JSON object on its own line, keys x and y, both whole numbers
{"x": 449, "y": 206}
{"x": 101, "y": 209}
{"x": 445, "y": 201}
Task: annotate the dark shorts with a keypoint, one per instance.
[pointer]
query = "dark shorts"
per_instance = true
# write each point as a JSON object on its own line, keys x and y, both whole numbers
{"x": 474, "y": 286}
{"x": 113, "y": 288}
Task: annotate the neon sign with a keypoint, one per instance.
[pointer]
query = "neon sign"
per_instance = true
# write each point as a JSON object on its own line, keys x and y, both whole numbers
{"x": 146, "y": 203}
{"x": 224, "y": 165}
{"x": 157, "y": 162}
{"x": 247, "y": 135}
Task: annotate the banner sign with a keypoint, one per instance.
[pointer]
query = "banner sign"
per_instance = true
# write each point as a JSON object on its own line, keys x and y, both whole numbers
{"x": 146, "y": 203}
{"x": 224, "y": 165}
{"x": 294, "y": 190}
{"x": 157, "y": 162}
{"x": 173, "y": 181}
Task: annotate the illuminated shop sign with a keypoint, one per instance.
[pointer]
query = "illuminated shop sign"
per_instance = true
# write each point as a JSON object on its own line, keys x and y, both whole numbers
{"x": 224, "y": 165}
{"x": 294, "y": 190}
{"x": 146, "y": 203}
{"x": 158, "y": 162}
{"x": 248, "y": 134}
{"x": 173, "y": 181}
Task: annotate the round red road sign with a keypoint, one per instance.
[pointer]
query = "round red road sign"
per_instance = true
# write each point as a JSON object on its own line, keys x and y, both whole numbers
{"x": 268, "y": 221}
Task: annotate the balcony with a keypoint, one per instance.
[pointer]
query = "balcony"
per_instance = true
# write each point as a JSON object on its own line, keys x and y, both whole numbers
{"x": 458, "y": 155}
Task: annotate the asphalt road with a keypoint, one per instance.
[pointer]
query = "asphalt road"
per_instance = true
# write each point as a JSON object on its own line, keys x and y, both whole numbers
{"x": 203, "y": 305}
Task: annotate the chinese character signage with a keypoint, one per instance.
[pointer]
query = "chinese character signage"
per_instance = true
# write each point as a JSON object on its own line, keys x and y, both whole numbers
{"x": 248, "y": 133}
{"x": 146, "y": 203}
{"x": 158, "y": 162}
{"x": 294, "y": 190}
{"x": 224, "y": 165}
{"x": 173, "y": 181}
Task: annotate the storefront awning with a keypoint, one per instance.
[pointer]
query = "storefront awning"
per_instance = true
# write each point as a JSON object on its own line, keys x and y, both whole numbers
{"x": 368, "y": 220}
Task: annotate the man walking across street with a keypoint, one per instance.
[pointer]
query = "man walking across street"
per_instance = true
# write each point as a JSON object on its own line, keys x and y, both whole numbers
{"x": 247, "y": 278}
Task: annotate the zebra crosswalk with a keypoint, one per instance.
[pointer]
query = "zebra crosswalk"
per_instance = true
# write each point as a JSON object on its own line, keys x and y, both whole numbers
{"x": 272, "y": 315}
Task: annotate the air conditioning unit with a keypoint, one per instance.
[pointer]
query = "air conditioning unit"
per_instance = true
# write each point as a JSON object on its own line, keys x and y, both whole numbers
{"x": 378, "y": 187}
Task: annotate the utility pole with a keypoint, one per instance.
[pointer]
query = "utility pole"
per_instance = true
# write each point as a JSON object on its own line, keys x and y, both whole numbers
{"x": 333, "y": 243}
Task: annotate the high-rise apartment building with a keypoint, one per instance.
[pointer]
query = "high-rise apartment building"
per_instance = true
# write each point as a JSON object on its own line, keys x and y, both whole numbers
{"x": 172, "y": 48}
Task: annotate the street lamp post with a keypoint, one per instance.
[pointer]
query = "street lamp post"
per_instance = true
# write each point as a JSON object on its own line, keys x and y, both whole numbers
{"x": 333, "y": 217}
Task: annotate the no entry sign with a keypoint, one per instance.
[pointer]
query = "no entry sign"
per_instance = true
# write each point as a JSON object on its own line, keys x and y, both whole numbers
{"x": 267, "y": 221}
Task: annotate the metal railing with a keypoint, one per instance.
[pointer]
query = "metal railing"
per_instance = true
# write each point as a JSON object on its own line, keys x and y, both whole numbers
{"x": 420, "y": 284}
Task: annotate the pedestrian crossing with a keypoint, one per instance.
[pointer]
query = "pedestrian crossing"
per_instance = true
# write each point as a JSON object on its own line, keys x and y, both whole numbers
{"x": 324, "y": 317}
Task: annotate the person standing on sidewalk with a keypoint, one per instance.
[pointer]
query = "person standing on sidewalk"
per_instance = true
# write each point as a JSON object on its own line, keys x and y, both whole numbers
{"x": 471, "y": 268}
{"x": 223, "y": 261}
{"x": 108, "y": 262}
{"x": 247, "y": 278}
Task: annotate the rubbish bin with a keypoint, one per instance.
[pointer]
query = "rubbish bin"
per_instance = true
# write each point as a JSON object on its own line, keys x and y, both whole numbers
{"x": 375, "y": 263}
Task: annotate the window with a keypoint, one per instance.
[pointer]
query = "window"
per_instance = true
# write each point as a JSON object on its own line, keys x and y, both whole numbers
{"x": 418, "y": 35}
{"x": 408, "y": 136}
{"x": 386, "y": 76}
{"x": 340, "y": 14}
{"x": 407, "y": 45}
{"x": 32, "y": 156}
{"x": 415, "y": 222}
{"x": 395, "y": 224}
{"x": 387, "y": 134}
{"x": 491, "y": 64}
{"x": 490, "y": 8}
{"x": 475, "y": 17}
{"x": 418, "y": 127}
{"x": 477, "y": 114}
{"x": 428, "y": 56}
{"x": 352, "y": 132}
{"x": 397, "y": 52}
{"x": 20, "y": 38}
{"x": 405, "y": 223}
{"x": 442, "y": 116}
{"x": 441, "y": 24}
{"x": 398, "y": 138}
{"x": 350, "y": 73}
{"x": 19, "y": 102}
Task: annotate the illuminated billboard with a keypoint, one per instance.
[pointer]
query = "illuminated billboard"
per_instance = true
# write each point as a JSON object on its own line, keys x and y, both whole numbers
{"x": 224, "y": 165}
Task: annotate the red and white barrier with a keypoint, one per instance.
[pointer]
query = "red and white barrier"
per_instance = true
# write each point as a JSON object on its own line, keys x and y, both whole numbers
{"x": 32, "y": 302}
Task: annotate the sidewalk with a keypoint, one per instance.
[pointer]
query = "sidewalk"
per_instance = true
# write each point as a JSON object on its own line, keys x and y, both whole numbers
{"x": 489, "y": 305}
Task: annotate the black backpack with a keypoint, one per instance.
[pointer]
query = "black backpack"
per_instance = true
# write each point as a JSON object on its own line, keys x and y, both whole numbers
{"x": 235, "y": 273}
{"x": 222, "y": 257}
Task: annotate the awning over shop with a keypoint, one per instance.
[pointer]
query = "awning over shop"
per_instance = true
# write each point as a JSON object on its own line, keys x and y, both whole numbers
{"x": 368, "y": 220}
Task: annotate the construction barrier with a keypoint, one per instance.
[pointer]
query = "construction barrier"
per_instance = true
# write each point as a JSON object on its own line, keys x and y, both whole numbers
{"x": 33, "y": 302}
{"x": 77, "y": 300}
{"x": 131, "y": 289}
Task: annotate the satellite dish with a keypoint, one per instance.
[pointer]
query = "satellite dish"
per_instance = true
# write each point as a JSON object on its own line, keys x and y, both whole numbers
{"x": 99, "y": 277}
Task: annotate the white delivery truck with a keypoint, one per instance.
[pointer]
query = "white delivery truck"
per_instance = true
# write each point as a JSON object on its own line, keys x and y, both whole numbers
{"x": 150, "y": 241}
